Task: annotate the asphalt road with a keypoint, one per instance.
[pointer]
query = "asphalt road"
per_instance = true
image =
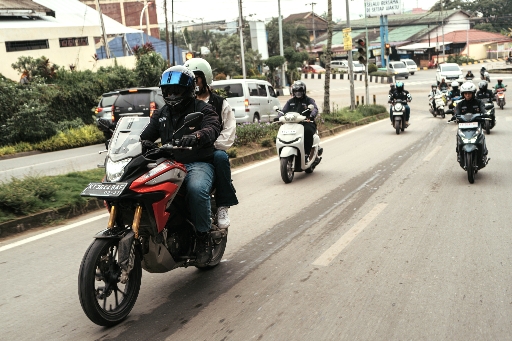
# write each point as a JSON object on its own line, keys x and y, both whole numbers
{"x": 386, "y": 240}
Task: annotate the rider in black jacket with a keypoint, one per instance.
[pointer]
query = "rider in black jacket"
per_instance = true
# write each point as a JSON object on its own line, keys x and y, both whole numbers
{"x": 403, "y": 95}
{"x": 486, "y": 96}
{"x": 178, "y": 90}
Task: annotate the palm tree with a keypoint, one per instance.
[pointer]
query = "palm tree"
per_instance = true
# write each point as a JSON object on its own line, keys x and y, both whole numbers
{"x": 296, "y": 35}
{"x": 328, "y": 56}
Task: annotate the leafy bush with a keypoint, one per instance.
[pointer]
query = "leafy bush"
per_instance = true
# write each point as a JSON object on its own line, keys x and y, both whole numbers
{"x": 232, "y": 152}
{"x": 459, "y": 59}
{"x": 247, "y": 133}
{"x": 220, "y": 77}
{"x": 24, "y": 196}
{"x": 345, "y": 115}
{"x": 372, "y": 68}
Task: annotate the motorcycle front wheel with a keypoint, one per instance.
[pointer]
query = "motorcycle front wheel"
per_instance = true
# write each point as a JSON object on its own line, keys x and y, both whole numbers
{"x": 287, "y": 169}
{"x": 487, "y": 127}
{"x": 470, "y": 169}
{"x": 397, "y": 127}
{"x": 104, "y": 299}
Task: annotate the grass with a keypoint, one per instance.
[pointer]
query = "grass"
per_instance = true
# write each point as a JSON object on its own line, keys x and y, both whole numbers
{"x": 21, "y": 197}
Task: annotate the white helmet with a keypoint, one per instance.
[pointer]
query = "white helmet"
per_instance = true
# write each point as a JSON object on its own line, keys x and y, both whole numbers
{"x": 468, "y": 87}
{"x": 199, "y": 65}
{"x": 455, "y": 84}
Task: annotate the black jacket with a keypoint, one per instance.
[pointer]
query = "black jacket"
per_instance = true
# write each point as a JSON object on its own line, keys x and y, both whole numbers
{"x": 216, "y": 102}
{"x": 486, "y": 96}
{"x": 300, "y": 104}
{"x": 403, "y": 95}
{"x": 473, "y": 106}
{"x": 167, "y": 120}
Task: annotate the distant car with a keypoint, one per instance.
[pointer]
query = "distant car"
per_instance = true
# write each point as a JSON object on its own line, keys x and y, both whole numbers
{"x": 104, "y": 112}
{"x": 137, "y": 102}
{"x": 397, "y": 69}
{"x": 411, "y": 65}
{"x": 313, "y": 69}
{"x": 343, "y": 65}
{"x": 450, "y": 72}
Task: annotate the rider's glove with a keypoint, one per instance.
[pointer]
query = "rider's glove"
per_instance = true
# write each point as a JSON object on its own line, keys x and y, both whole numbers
{"x": 276, "y": 119}
{"x": 148, "y": 145}
{"x": 188, "y": 141}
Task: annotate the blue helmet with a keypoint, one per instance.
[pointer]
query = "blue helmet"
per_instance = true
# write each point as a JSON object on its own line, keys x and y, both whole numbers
{"x": 177, "y": 84}
{"x": 399, "y": 86}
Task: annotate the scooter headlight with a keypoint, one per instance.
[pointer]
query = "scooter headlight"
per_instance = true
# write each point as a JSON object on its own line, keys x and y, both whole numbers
{"x": 114, "y": 170}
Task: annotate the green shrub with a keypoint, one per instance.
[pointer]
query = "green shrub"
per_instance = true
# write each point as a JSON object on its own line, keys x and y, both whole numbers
{"x": 372, "y": 68}
{"x": 232, "y": 152}
{"x": 345, "y": 115}
{"x": 459, "y": 59}
{"x": 247, "y": 133}
{"x": 24, "y": 196}
{"x": 267, "y": 143}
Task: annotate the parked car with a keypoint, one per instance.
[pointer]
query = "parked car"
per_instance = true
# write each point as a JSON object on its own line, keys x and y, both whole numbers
{"x": 313, "y": 69}
{"x": 104, "y": 109}
{"x": 450, "y": 72}
{"x": 343, "y": 65}
{"x": 251, "y": 100}
{"x": 398, "y": 69}
{"x": 137, "y": 102}
{"x": 411, "y": 65}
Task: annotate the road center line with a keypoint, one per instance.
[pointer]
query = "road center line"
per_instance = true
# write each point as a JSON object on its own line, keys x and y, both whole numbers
{"x": 337, "y": 247}
{"x": 52, "y": 232}
{"x": 432, "y": 153}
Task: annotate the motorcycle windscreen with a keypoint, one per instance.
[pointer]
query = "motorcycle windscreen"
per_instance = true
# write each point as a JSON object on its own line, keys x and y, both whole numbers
{"x": 125, "y": 141}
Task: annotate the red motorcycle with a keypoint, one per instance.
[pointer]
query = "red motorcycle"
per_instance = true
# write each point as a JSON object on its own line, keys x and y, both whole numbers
{"x": 149, "y": 225}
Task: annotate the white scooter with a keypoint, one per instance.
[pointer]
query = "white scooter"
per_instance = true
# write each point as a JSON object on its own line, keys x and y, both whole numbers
{"x": 290, "y": 145}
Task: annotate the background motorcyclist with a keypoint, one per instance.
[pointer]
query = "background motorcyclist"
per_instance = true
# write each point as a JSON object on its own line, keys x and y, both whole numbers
{"x": 298, "y": 103}
{"x": 443, "y": 86}
{"x": 482, "y": 71}
{"x": 402, "y": 95}
{"x": 470, "y": 74}
{"x": 225, "y": 194}
{"x": 455, "y": 91}
{"x": 432, "y": 94}
{"x": 470, "y": 104}
{"x": 178, "y": 90}
{"x": 499, "y": 85}
{"x": 486, "y": 96}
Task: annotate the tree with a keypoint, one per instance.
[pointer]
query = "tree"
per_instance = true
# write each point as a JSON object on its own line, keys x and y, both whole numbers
{"x": 294, "y": 61}
{"x": 293, "y": 35}
{"x": 40, "y": 67}
{"x": 328, "y": 56}
{"x": 273, "y": 63}
{"x": 448, "y": 4}
{"x": 149, "y": 68}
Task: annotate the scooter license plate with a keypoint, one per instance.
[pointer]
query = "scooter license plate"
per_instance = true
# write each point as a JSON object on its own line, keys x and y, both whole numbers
{"x": 288, "y": 132}
{"x": 98, "y": 189}
{"x": 468, "y": 125}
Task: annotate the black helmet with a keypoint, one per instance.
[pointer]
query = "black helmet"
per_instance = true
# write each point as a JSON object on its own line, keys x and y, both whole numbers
{"x": 399, "y": 86}
{"x": 178, "y": 85}
{"x": 500, "y": 80}
{"x": 298, "y": 89}
{"x": 482, "y": 86}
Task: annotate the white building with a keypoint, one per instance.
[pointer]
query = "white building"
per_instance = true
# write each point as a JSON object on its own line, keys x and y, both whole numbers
{"x": 63, "y": 31}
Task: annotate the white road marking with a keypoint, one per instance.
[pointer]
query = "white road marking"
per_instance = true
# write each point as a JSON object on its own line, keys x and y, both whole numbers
{"x": 44, "y": 163}
{"x": 432, "y": 153}
{"x": 52, "y": 232}
{"x": 337, "y": 247}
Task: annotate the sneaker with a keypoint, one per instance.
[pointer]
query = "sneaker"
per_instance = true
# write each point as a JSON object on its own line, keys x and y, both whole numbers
{"x": 320, "y": 151}
{"x": 407, "y": 123}
{"x": 223, "y": 217}
{"x": 203, "y": 248}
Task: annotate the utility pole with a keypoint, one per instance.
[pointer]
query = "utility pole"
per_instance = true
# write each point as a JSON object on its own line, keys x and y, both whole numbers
{"x": 350, "y": 67}
{"x": 442, "y": 31}
{"x": 173, "y": 43}
{"x": 367, "y": 49}
{"x": 313, "y": 20}
{"x": 147, "y": 18}
{"x": 105, "y": 42}
{"x": 281, "y": 50}
{"x": 241, "y": 28}
{"x": 167, "y": 33}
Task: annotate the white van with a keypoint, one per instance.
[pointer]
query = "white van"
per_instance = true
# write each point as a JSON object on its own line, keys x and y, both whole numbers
{"x": 411, "y": 65}
{"x": 398, "y": 69}
{"x": 252, "y": 100}
{"x": 450, "y": 72}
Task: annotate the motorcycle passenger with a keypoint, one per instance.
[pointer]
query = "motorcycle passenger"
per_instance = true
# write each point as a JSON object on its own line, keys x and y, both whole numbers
{"x": 392, "y": 88}
{"x": 298, "y": 103}
{"x": 482, "y": 72}
{"x": 224, "y": 191}
{"x": 443, "y": 86}
{"x": 432, "y": 94}
{"x": 403, "y": 95}
{"x": 486, "y": 96}
{"x": 178, "y": 90}
{"x": 470, "y": 74}
{"x": 470, "y": 104}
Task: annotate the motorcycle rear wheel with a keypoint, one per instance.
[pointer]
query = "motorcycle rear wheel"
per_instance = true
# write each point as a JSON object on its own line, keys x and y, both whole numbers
{"x": 100, "y": 267}
{"x": 286, "y": 169}
{"x": 470, "y": 169}
{"x": 397, "y": 127}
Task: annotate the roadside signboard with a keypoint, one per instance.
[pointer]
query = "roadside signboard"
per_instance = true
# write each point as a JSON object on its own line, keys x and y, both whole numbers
{"x": 347, "y": 39}
{"x": 375, "y": 8}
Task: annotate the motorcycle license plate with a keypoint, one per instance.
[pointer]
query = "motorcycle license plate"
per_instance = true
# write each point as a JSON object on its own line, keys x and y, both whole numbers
{"x": 98, "y": 189}
{"x": 468, "y": 125}
{"x": 397, "y": 113}
{"x": 288, "y": 132}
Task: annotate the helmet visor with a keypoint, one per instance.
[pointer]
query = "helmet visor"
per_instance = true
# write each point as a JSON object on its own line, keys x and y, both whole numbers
{"x": 176, "y": 78}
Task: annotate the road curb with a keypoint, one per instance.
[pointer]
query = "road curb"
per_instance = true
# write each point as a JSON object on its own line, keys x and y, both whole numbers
{"x": 46, "y": 217}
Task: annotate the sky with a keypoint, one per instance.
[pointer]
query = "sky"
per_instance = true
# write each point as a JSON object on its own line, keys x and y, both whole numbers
{"x": 211, "y": 10}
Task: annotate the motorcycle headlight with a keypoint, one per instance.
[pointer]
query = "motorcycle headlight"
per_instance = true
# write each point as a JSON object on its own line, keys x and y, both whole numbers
{"x": 114, "y": 170}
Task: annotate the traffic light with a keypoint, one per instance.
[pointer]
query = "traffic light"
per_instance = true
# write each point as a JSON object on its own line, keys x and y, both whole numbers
{"x": 189, "y": 55}
{"x": 387, "y": 49}
{"x": 361, "y": 48}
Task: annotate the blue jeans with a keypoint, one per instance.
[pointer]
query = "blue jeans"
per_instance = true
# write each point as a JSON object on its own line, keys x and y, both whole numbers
{"x": 407, "y": 113}
{"x": 224, "y": 190}
{"x": 198, "y": 183}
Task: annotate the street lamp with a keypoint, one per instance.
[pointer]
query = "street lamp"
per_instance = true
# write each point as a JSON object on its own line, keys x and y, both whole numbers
{"x": 140, "y": 21}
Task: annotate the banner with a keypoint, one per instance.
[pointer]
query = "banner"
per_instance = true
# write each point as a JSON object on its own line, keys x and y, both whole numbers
{"x": 375, "y": 8}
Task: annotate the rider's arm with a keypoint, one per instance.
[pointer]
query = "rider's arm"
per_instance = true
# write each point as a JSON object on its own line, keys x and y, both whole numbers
{"x": 482, "y": 107}
{"x": 152, "y": 131}
{"x": 227, "y": 135}
{"x": 286, "y": 107}
{"x": 210, "y": 126}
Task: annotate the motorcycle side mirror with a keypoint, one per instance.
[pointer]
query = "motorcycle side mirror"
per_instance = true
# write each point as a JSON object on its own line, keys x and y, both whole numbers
{"x": 193, "y": 119}
{"x": 275, "y": 108}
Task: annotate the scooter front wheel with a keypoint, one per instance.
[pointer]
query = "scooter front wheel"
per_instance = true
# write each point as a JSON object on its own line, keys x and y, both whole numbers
{"x": 470, "y": 168}
{"x": 287, "y": 169}
{"x": 487, "y": 127}
{"x": 397, "y": 127}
